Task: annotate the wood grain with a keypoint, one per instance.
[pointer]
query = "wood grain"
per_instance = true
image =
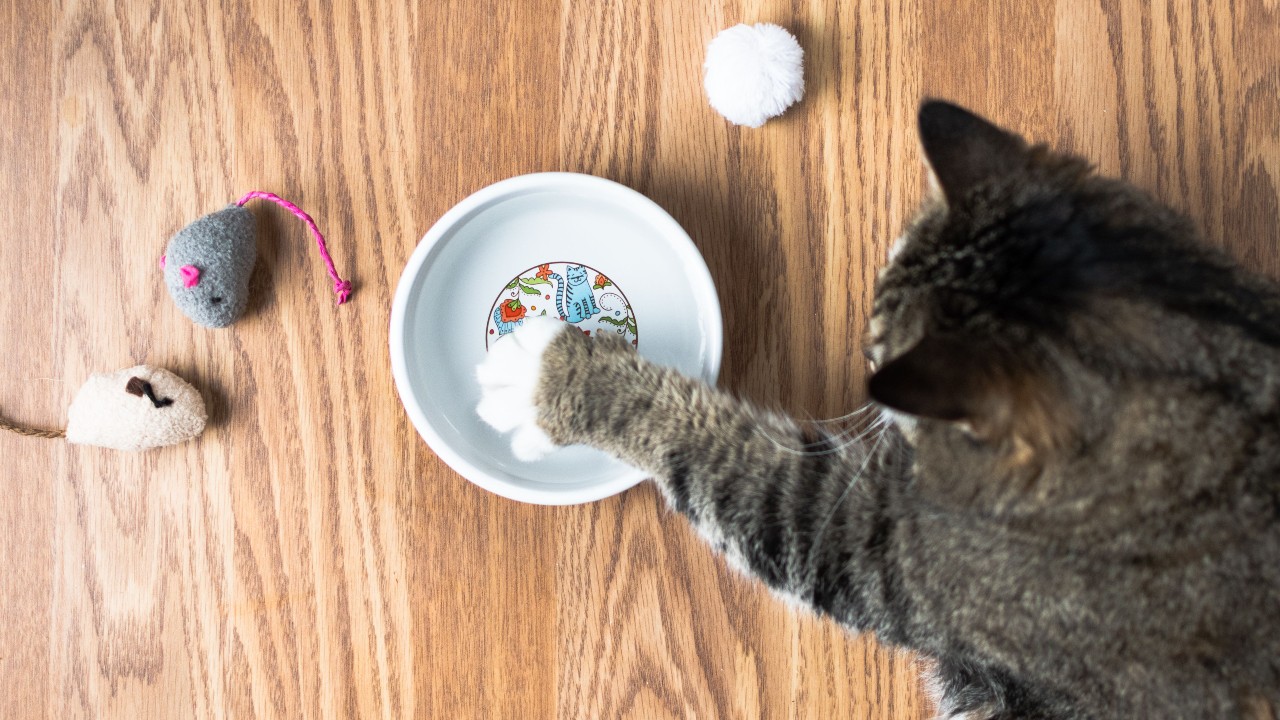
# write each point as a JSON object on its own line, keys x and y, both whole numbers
{"x": 309, "y": 556}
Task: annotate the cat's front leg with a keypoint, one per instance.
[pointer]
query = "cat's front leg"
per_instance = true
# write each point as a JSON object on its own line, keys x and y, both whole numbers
{"x": 808, "y": 513}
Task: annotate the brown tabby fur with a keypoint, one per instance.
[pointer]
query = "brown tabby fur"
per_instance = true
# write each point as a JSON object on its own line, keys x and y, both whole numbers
{"x": 1076, "y": 512}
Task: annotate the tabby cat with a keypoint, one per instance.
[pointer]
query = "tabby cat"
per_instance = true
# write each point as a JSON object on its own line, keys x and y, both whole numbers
{"x": 1072, "y": 501}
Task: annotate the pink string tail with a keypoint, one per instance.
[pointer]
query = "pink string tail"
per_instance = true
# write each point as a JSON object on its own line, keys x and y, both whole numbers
{"x": 340, "y": 286}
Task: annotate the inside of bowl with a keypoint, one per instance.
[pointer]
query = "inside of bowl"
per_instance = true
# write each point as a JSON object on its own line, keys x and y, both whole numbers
{"x": 450, "y": 304}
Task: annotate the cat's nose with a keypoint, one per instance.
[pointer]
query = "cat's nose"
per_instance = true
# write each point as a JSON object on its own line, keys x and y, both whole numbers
{"x": 871, "y": 351}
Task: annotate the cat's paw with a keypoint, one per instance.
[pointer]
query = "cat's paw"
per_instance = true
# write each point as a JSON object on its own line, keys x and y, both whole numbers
{"x": 508, "y": 383}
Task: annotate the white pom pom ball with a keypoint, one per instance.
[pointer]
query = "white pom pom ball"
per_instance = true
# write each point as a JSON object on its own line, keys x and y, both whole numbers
{"x": 753, "y": 73}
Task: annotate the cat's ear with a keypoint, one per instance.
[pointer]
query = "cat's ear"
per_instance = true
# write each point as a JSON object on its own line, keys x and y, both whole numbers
{"x": 964, "y": 150}
{"x": 995, "y": 395}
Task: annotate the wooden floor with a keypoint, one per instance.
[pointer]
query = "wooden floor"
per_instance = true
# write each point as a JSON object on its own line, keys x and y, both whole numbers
{"x": 309, "y": 556}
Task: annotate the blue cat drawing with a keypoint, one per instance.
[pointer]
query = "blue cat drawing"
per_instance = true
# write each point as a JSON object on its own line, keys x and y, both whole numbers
{"x": 575, "y": 299}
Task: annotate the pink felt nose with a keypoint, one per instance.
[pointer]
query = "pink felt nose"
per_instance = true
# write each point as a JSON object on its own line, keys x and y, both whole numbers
{"x": 190, "y": 275}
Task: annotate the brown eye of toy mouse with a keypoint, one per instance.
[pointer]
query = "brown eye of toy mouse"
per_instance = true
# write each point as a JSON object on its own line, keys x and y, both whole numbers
{"x": 215, "y": 300}
{"x": 138, "y": 386}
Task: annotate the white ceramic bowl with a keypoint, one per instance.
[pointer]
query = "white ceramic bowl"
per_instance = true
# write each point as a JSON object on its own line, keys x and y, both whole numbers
{"x": 514, "y": 240}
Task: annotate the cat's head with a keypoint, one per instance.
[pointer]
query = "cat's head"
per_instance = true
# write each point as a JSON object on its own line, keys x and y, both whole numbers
{"x": 575, "y": 274}
{"x": 1034, "y": 305}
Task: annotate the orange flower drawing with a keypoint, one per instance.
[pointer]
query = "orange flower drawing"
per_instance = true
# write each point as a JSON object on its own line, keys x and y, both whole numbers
{"x": 512, "y": 311}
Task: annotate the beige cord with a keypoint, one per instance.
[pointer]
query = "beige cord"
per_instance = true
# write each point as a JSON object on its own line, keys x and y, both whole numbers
{"x": 31, "y": 432}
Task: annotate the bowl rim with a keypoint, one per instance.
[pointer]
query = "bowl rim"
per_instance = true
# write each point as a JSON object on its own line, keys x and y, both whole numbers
{"x": 548, "y": 494}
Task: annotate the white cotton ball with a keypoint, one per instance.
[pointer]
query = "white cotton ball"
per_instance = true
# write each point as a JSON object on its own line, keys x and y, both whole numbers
{"x": 753, "y": 73}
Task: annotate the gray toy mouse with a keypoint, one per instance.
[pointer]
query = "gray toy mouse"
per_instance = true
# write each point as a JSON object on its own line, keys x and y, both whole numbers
{"x": 208, "y": 263}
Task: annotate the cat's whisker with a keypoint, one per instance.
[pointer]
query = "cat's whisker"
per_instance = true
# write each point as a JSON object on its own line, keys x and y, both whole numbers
{"x": 841, "y": 440}
{"x": 845, "y": 417}
{"x": 856, "y": 425}
{"x": 855, "y": 418}
{"x": 866, "y": 461}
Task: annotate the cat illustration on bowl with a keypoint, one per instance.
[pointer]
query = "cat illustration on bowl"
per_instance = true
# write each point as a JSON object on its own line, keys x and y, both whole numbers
{"x": 580, "y": 295}
{"x": 573, "y": 292}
